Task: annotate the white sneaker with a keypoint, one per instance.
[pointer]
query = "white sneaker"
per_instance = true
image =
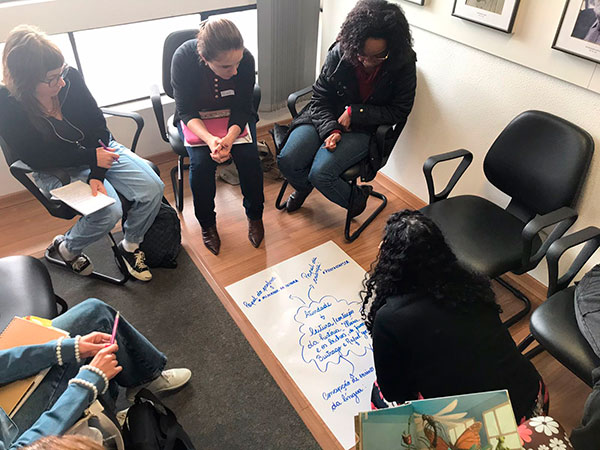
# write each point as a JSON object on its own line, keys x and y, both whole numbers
{"x": 80, "y": 264}
{"x": 167, "y": 381}
{"x": 122, "y": 416}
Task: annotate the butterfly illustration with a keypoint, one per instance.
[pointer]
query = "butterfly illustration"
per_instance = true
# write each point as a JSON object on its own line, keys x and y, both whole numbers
{"x": 468, "y": 440}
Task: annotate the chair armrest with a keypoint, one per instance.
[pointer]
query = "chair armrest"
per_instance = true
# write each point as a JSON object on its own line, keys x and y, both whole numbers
{"x": 563, "y": 218}
{"x": 589, "y": 235}
{"x": 293, "y": 99}
{"x": 467, "y": 158}
{"x": 20, "y": 171}
{"x": 157, "y": 107}
{"x": 256, "y": 96}
{"x": 139, "y": 121}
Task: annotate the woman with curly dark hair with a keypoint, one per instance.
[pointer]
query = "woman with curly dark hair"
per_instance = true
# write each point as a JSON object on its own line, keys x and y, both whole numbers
{"x": 368, "y": 79}
{"x": 435, "y": 325}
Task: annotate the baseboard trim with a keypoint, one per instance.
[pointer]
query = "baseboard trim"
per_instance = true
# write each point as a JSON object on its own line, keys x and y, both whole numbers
{"x": 531, "y": 287}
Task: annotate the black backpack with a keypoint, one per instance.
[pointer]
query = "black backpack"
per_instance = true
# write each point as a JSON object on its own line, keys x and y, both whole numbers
{"x": 162, "y": 241}
{"x": 150, "y": 425}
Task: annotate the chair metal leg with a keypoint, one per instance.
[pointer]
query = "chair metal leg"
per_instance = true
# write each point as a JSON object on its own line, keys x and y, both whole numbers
{"x": 522, "y": 346}
{"x": 350, "y": 237}
{"x": 278, "y": 203}
{"x": 517, "y": 293}
{"x": 177, "y": 182}
{"x": 99, "y": 276}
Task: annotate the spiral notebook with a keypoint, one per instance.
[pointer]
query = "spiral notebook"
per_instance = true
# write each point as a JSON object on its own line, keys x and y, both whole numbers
{"x": 17, "y": 333}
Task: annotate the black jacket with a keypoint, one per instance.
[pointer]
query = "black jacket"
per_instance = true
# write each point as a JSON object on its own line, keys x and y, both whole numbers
{"x": 43, "y": 149}
{"x": 421, "y": 347}
{"x": 587, "y": 436}
{"x": 197, "y": 88}
{"x": 389, "y": 104}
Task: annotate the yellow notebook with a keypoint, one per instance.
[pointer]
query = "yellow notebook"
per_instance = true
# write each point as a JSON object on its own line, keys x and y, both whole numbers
{"x": 17, "y": 333}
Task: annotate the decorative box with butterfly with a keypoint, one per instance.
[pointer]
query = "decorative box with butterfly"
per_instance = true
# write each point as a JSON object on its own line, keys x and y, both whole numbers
{"x": 482, "y": 421}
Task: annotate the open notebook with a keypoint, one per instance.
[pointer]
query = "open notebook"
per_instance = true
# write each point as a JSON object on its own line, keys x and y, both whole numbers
{"x": 17, "y": 333}
{"x": 78, "y": 195}
{"x": 216, "y": 122}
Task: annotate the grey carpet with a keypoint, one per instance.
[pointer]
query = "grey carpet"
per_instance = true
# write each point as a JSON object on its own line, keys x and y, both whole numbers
{"x": 232, "y": 402}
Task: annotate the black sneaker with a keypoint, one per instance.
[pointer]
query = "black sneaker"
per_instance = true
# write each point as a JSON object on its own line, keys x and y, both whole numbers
{"x": 359, "y": 203}
{"x": 81, "y": 264}
{"x": 136, "y": 263}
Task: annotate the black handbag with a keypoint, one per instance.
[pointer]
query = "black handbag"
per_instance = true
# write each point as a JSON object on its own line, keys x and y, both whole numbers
{"x": 162, "y": 241}
{"x": 150, "y": 425}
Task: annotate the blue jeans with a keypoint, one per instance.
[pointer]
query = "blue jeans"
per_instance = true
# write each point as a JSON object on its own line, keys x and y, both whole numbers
{"x": 204, "y": 188}
{"x": 141, "y": 361}
{"x": 134, "y": 179}
{"x": 306, "y": 163}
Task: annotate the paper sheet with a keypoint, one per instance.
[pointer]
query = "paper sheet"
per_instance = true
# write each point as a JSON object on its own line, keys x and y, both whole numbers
{"x": 307, "y": 310}
{"x": 78, "y": 195}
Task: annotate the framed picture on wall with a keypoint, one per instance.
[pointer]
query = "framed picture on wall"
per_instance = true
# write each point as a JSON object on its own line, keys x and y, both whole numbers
{"x": 497, "y": 14}
{"x": 416, "y": 2}
{"x": 579, "y": 29}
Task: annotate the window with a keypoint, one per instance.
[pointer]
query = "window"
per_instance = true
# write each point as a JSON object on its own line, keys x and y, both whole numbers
{"x": 121, "y": 62}
{"x": 499, "y": 421}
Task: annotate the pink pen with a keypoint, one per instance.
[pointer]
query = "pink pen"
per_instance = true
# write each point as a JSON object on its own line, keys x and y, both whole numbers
{"x": 114, "y": 331}
{"x": 103, "y": 145}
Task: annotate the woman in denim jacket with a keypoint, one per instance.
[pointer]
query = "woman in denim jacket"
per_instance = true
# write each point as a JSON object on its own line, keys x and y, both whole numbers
{"x": 82, "y": 368}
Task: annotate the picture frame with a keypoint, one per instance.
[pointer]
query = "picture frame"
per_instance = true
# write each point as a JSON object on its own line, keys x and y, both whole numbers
{"x": 578, "y": 31}
{"x": 416, "y": 2}
{"x": 497, "y": 14}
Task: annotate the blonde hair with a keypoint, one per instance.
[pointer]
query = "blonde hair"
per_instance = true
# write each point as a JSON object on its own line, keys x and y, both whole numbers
{"x": 218, "y": 36}
{"x": 70, "y": 442}
{"x": 28, "y": 56}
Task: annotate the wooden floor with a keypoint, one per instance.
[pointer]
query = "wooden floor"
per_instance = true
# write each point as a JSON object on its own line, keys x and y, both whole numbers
{"x": 26, "y": 228}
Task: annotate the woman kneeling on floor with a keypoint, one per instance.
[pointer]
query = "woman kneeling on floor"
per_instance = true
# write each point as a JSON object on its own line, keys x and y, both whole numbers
{"x": 436, "y": 327}
{"x": 82, "y": 368}
{"x": 49, "y": 120}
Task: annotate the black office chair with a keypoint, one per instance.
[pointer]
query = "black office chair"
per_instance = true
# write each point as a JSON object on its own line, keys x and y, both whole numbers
{"x": 57, "y": 208}
{"x": 385, "y": 136}
{"x": 553, "y": 324}
{"x": 171, "y": 134}
{"x": 26, "y": 289}
{"x": 540, "y": 161}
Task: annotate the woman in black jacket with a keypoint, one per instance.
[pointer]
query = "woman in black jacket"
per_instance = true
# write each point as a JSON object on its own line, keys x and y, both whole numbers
{"x": 50, "y": 120}
{"x": 368, "y": 79}
{"x": 435, "y": 325}
{"x": 215, "y": 72}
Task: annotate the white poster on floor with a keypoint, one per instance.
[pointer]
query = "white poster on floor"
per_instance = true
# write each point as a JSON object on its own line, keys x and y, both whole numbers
{"x": 307, "y": 310}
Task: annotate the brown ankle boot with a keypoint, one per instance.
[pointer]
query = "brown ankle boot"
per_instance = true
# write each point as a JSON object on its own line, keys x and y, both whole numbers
{"x": 211, "y": 239}
{"x": 256, "y": 232}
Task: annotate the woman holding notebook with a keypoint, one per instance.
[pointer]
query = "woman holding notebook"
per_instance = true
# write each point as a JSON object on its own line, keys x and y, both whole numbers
{"x": 209, "y": 74}
{"x": 86, "y": 366}
{"x": 49, "y": 120}
{"x": 436, "y": 327}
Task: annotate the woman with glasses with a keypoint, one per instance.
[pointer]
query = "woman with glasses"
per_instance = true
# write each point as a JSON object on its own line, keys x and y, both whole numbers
{"x": 49, "y": 120}
{"x": 368, "y": 79}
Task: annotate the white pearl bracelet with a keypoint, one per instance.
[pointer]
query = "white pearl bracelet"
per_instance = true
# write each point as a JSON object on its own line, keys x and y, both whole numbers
{"x": 87, "y": 385}
{"x": 59, "y": 350}
{"x": 77, "y": 355}
{"x": 99, "y": 372}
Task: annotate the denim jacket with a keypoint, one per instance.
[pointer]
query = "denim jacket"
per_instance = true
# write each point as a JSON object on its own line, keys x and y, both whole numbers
{"x": 22, "y": 362}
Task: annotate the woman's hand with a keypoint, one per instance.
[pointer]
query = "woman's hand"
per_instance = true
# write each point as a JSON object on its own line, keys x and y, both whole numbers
{"x": 345, "y": 119}
{"x": 105, "y": 158}
{"x": 332, "y": 140}
{"x": 106, "y": 361}
{"x": 97, "y": 186}
{"x": 92, "y": 343}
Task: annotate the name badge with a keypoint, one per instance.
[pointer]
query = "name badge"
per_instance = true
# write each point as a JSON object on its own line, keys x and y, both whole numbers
{"x": 227, "y": 93}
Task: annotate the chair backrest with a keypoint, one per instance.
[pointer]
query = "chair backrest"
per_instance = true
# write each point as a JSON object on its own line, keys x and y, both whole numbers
{"x": 172, "y": 43}
{"x": 540, "y": 160}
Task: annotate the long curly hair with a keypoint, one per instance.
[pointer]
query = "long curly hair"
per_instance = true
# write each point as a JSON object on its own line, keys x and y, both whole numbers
{"x": 415, "y": 258}
{"x": 377, "y": 19}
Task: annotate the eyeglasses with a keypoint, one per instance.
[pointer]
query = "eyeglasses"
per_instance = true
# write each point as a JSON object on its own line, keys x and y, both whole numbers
{"x": 375, "y": 59}
{"x": 53, "y": 82}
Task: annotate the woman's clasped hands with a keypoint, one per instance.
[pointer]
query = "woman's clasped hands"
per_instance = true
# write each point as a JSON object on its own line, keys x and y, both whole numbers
{"x": 220, "y": 148}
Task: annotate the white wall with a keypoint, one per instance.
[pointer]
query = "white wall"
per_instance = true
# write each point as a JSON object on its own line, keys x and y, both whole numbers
{"x": 464, "y": 99}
